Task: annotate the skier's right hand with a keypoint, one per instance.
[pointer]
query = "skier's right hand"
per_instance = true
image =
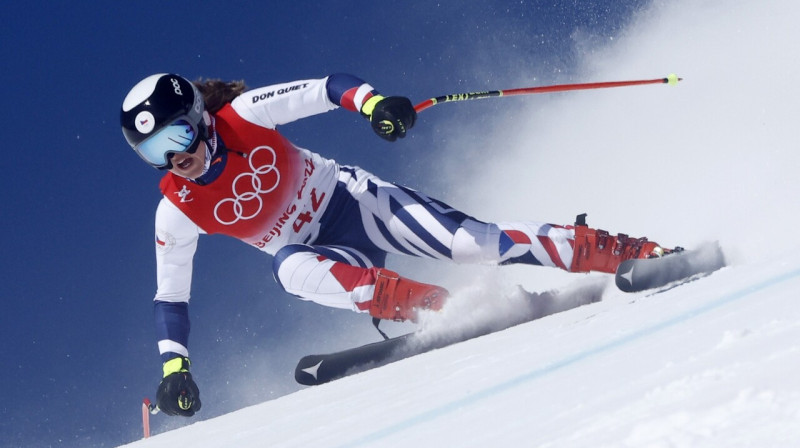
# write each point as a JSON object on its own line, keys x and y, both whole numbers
{"x": 178, "y": 394}
{"x": 390, "y": 117}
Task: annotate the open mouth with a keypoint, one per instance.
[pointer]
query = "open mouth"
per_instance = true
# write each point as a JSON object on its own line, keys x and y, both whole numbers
{"x": 185, "y": 163}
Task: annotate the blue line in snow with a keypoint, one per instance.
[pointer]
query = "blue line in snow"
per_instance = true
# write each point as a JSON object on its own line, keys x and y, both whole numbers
{"x": 432, "y": 414}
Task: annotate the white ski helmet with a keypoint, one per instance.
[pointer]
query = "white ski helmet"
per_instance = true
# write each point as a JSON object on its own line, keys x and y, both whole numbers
{"x": 163, "y": 115}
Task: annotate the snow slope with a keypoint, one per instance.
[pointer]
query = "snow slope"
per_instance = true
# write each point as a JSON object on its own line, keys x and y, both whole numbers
{"x": 711, "y": 363}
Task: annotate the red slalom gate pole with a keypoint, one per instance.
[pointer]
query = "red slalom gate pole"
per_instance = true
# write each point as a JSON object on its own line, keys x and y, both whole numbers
{"x": 147, "y": 409}
{"x": 671, "y": 79}
{"x": 146, "y": 418}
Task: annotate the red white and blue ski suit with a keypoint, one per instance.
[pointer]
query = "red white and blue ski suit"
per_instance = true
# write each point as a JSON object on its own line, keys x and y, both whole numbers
{"x": 327, "y": 226}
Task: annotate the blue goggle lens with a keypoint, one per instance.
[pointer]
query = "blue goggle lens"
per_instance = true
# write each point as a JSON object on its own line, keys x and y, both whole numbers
{"x": 176, "y": 138}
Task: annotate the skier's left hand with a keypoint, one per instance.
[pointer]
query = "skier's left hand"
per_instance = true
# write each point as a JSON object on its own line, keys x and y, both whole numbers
{"x": 390, "y": 117}
{"x": 178, "y": 394}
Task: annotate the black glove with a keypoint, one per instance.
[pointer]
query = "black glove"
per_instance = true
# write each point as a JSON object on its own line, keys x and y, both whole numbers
{"x": 178, "y": 394}
{"x": 390, "y": 117}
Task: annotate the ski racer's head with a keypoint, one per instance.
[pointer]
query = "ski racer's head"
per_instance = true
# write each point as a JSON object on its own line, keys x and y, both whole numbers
{"x": 162, "y": 119}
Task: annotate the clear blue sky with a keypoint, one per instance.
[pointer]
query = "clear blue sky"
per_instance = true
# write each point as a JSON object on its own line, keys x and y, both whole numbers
{"x": 77, "y": 266}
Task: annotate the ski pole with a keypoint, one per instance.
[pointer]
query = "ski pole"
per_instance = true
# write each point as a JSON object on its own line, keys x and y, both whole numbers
{"x": 671, "y": 79}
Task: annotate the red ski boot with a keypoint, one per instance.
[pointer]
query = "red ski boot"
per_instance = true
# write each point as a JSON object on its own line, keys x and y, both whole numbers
{"x": 597, "y": 250}
{"x": 399, "y": 298}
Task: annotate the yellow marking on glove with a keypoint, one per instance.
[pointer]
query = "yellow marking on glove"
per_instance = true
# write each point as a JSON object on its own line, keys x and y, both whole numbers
{"x": 369, "y": 105}
{"x": 184, "y": 402}
{"x": 175, "y": 365}
{"x": 387, "y": 127}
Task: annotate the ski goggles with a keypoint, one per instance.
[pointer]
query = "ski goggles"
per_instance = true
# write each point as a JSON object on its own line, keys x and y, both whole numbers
{"x": 177, "y": 137}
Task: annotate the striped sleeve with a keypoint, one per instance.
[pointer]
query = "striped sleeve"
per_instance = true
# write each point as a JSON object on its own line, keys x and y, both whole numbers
{"x": 349, "y": 91}
{"x": 172, "y": 328}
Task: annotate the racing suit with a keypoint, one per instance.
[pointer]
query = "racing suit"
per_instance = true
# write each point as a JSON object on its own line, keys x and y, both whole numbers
{"x": 327, "y": 226}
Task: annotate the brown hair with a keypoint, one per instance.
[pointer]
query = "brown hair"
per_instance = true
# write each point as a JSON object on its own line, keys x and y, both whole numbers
{"x": 218, "y": 93}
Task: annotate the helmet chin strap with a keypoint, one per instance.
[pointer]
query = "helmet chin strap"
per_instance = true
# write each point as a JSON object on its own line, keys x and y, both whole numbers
{"x": 211, "y": 141}
{"x": 207, "y": 163}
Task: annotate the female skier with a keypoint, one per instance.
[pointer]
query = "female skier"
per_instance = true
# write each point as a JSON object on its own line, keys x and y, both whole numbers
{"x": 329, "y": 227}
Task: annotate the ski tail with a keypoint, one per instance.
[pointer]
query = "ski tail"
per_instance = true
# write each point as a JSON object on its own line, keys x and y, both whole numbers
{"x": 313, "y": 370}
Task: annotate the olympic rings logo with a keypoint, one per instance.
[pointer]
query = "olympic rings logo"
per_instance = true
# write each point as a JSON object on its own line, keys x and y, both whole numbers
{"x": 240, "y": 207}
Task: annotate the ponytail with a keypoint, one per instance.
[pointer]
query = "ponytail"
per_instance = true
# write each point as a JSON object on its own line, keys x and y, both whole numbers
{"x": 218, "y": 93}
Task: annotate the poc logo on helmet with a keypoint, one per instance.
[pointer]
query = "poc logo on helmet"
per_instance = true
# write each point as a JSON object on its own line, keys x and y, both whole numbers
{"x": 176, "y": 86}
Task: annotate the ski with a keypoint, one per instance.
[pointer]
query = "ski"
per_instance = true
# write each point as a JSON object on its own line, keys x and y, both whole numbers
{"x": 648, "y": 273}
{"x": 319, "y": 369}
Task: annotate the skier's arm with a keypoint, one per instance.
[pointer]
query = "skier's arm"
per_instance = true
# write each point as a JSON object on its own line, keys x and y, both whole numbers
{"x": 279, "y": 104}
{"x": 176, "y": 242}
